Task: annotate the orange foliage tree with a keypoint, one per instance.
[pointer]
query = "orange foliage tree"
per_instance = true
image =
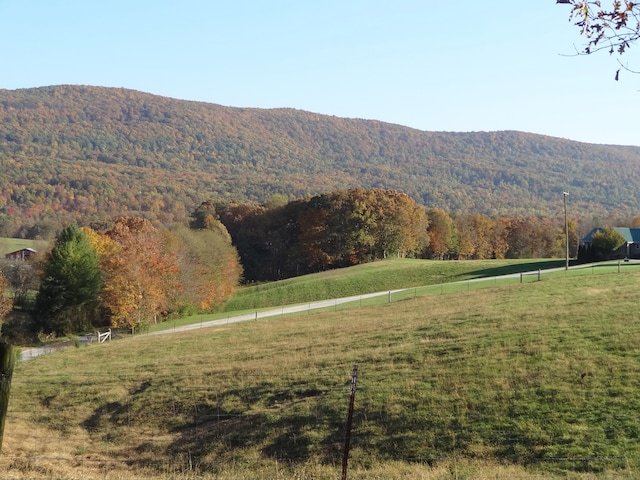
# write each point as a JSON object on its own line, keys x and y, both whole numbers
{"x": 209, "y": 268}
{"x": 443, "y": 236}
{"x": 482, "y": 237}
{"x": 140, "y": 275}
{"x": 332, "y": 230}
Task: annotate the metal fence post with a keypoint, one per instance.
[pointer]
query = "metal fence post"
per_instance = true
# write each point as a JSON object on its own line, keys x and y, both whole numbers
{"x": 347, "y": 438}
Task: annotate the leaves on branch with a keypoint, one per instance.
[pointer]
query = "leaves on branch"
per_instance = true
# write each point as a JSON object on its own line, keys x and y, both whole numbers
{"x": 614, "y": 29}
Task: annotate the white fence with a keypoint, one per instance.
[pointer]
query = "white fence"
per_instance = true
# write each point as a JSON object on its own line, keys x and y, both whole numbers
{"x": 103, "y": 337}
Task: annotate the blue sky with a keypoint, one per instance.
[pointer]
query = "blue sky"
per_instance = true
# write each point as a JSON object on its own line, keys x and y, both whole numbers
{"x": 437, "y": 66}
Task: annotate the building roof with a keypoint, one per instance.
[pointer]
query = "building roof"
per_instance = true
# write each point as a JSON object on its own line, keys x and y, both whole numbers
{"x": 20, "y": 252}
{"x": 631, "y": 235}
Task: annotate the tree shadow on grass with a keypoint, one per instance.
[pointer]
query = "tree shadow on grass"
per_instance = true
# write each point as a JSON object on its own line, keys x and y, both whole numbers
{"x": 105, "y": 420}
{"x": 292, "y": 427}
{"x": 514, "y": 268}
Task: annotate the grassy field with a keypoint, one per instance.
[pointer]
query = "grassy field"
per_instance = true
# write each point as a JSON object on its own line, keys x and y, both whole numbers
{"x": 375, "y": 277}
{"x": 425, "y": 276}
{"x": 519, "y": 381}
{"x": 8, "y": 245}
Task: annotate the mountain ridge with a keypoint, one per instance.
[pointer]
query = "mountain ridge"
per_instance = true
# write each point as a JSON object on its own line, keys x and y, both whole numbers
{"x": 83, "y": 151}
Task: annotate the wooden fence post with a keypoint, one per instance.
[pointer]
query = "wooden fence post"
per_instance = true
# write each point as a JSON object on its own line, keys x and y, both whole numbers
{"x": 7, "y": 361}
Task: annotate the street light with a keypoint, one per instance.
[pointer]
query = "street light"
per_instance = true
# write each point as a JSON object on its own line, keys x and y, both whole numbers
{"x": 566, "y": 231}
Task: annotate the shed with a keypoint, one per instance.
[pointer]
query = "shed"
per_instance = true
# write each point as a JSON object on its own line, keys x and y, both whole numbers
{"x": 22, "y": 254}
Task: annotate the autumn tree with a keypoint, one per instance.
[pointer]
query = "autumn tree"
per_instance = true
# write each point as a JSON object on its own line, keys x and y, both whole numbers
{"x": 531, "y": 237}
{"x": 474, "y": 231}
{"x": 443, "y": 235}
{"x": 332, "y": 230}
{"x": 103, "y": 244}
{"x": 67, "y": 299}
{"x": 312, "y": 219}
{"x": 365, "y": 225}
{"x": 614, "y": 28}
{"x": 499, "y": 237}
{"x": 140, "y": 276}
{"x": 6, "y": 302}
{"x": 401, "y": 224}
{"x": 482, "y": 237}
{"x": 209, "y": 267}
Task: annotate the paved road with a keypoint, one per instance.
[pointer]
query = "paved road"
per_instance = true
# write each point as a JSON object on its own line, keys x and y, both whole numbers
{"x": 273, "y": 312}
{"x": 31, "y": 353}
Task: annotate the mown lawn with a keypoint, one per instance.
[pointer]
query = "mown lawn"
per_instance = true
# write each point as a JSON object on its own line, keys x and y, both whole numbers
{"x": 375, "y": 277}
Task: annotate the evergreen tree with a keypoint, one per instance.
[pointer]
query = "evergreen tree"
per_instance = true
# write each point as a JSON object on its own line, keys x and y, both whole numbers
{"x": 66, "y": 301}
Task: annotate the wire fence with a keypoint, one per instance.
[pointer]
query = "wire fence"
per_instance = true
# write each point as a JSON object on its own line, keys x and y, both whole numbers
{"x": 482, "y": 283}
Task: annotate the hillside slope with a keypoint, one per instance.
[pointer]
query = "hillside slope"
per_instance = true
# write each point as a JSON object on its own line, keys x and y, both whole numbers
{"x": 540, "y": 377}
{"x": 71, "y": 151}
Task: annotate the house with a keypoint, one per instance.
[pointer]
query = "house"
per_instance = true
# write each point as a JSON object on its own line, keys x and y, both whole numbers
{"x": 629, "y": 249}
{"x": 22, "y": 254}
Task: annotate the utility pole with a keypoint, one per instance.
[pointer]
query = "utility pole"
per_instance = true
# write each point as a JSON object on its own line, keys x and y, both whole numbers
{"x": 566, "y": 231}
{"x": 347, "y": 438}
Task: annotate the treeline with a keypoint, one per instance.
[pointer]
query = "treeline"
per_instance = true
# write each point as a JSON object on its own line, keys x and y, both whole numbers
{"x": 128, "y": 275}
{"x": 128, "y": 272}
{"x": 281, "y": 239}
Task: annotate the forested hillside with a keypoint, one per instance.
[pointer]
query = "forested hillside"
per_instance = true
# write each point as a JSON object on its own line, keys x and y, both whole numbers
{"x": 94, "y": 153}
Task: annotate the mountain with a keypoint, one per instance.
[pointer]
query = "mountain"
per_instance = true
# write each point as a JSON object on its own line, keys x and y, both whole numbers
{"x": 85, "y": 152}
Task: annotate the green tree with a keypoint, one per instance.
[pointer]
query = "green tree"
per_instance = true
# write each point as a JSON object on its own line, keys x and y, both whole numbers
{"x": 313, "y": 222}
{"x": 205, "y": 217}
{"x": 67, "y": 298}
{"x": 607, "y": 240}
{"x": 276, "y": 201}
